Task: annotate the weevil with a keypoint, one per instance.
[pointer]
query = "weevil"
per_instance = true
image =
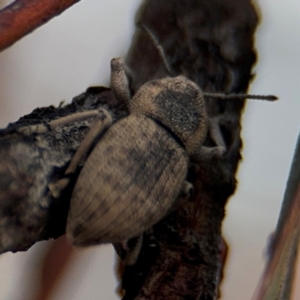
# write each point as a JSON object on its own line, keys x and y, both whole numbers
{"x": 137, "y": 170}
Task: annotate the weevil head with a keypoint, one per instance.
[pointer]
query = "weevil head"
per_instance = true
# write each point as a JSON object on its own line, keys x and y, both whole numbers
{"x": 177, "y": 103}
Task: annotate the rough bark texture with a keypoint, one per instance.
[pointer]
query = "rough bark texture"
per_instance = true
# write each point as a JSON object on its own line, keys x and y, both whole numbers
{"x": 210, "y": 42}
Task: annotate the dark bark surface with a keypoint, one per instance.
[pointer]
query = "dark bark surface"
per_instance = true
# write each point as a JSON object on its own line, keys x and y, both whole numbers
{"x": 210, "y": 42}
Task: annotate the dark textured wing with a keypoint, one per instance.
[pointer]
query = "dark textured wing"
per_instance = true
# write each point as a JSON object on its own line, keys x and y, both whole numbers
{"x": 128, "y": 183}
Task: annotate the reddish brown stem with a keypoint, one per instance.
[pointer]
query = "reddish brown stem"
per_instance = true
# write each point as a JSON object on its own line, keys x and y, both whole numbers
{"x": 23, "y": 16}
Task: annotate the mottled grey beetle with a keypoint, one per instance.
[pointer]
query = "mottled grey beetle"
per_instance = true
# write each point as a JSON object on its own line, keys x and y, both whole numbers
{"x": 138, "y": 168}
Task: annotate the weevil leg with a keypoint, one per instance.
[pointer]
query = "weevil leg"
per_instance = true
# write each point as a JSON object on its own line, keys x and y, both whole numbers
{"x": 187, "y": 189}
{"x": 134, "y": 251}
{"x": 103, "y": 121}
{"x": 76, "y": 117}
{"x": 208, "y": 153}
{"x": 47, "y": 126}
{"x": 217, "y": 137}
{"x": 129, "y": 250}
{"x": 119, "y": 81}
{"x": 185, "y": 193}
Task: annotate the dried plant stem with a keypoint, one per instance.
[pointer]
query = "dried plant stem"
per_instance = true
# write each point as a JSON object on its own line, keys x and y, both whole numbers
{"x": 23, "y": 16}
{"x": 278, "y": 277}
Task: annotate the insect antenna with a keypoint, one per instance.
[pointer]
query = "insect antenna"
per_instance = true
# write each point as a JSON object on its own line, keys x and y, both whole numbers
{"x": 212, "y": 95}
{"x": 159, "y": 49}
{"x": 241, "y": 96}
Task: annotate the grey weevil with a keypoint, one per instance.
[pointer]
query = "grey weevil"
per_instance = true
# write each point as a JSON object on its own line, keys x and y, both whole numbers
{"x": 138, "y": 169}
{"x": 134, "y": 174}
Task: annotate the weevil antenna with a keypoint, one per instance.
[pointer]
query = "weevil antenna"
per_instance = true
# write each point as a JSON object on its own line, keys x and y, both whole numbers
{"x": 241, "y": 96}
{"x": 168, "y": 68}
{"x": 159, "y": 48}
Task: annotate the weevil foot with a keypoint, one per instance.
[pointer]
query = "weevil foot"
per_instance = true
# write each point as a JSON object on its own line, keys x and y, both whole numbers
{"x": 57, "y": 187}
{"x": 209, "y": 153}
{"x": 187, "y": 189}
{"x": 102, "y": 121}
{"x": 217, "y": 152}
{"x": 129, "y": 250}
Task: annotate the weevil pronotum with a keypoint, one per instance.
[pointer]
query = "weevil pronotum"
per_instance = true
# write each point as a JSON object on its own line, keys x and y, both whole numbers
{"x": 138, "y": 169}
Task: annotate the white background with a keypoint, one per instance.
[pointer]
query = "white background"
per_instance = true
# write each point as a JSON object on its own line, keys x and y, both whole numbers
{"x": 72, "y": 52}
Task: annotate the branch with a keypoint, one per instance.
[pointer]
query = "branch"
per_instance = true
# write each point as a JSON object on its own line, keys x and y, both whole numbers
{"x": 23, "y": 16}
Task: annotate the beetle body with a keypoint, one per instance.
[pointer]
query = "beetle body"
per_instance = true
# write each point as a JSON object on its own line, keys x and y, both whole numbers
{"x": 137, "y": 170}
{"x": 129, "y": 183}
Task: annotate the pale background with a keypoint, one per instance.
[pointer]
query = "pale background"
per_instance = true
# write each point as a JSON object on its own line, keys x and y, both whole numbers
{"x": 73, "y": 52}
